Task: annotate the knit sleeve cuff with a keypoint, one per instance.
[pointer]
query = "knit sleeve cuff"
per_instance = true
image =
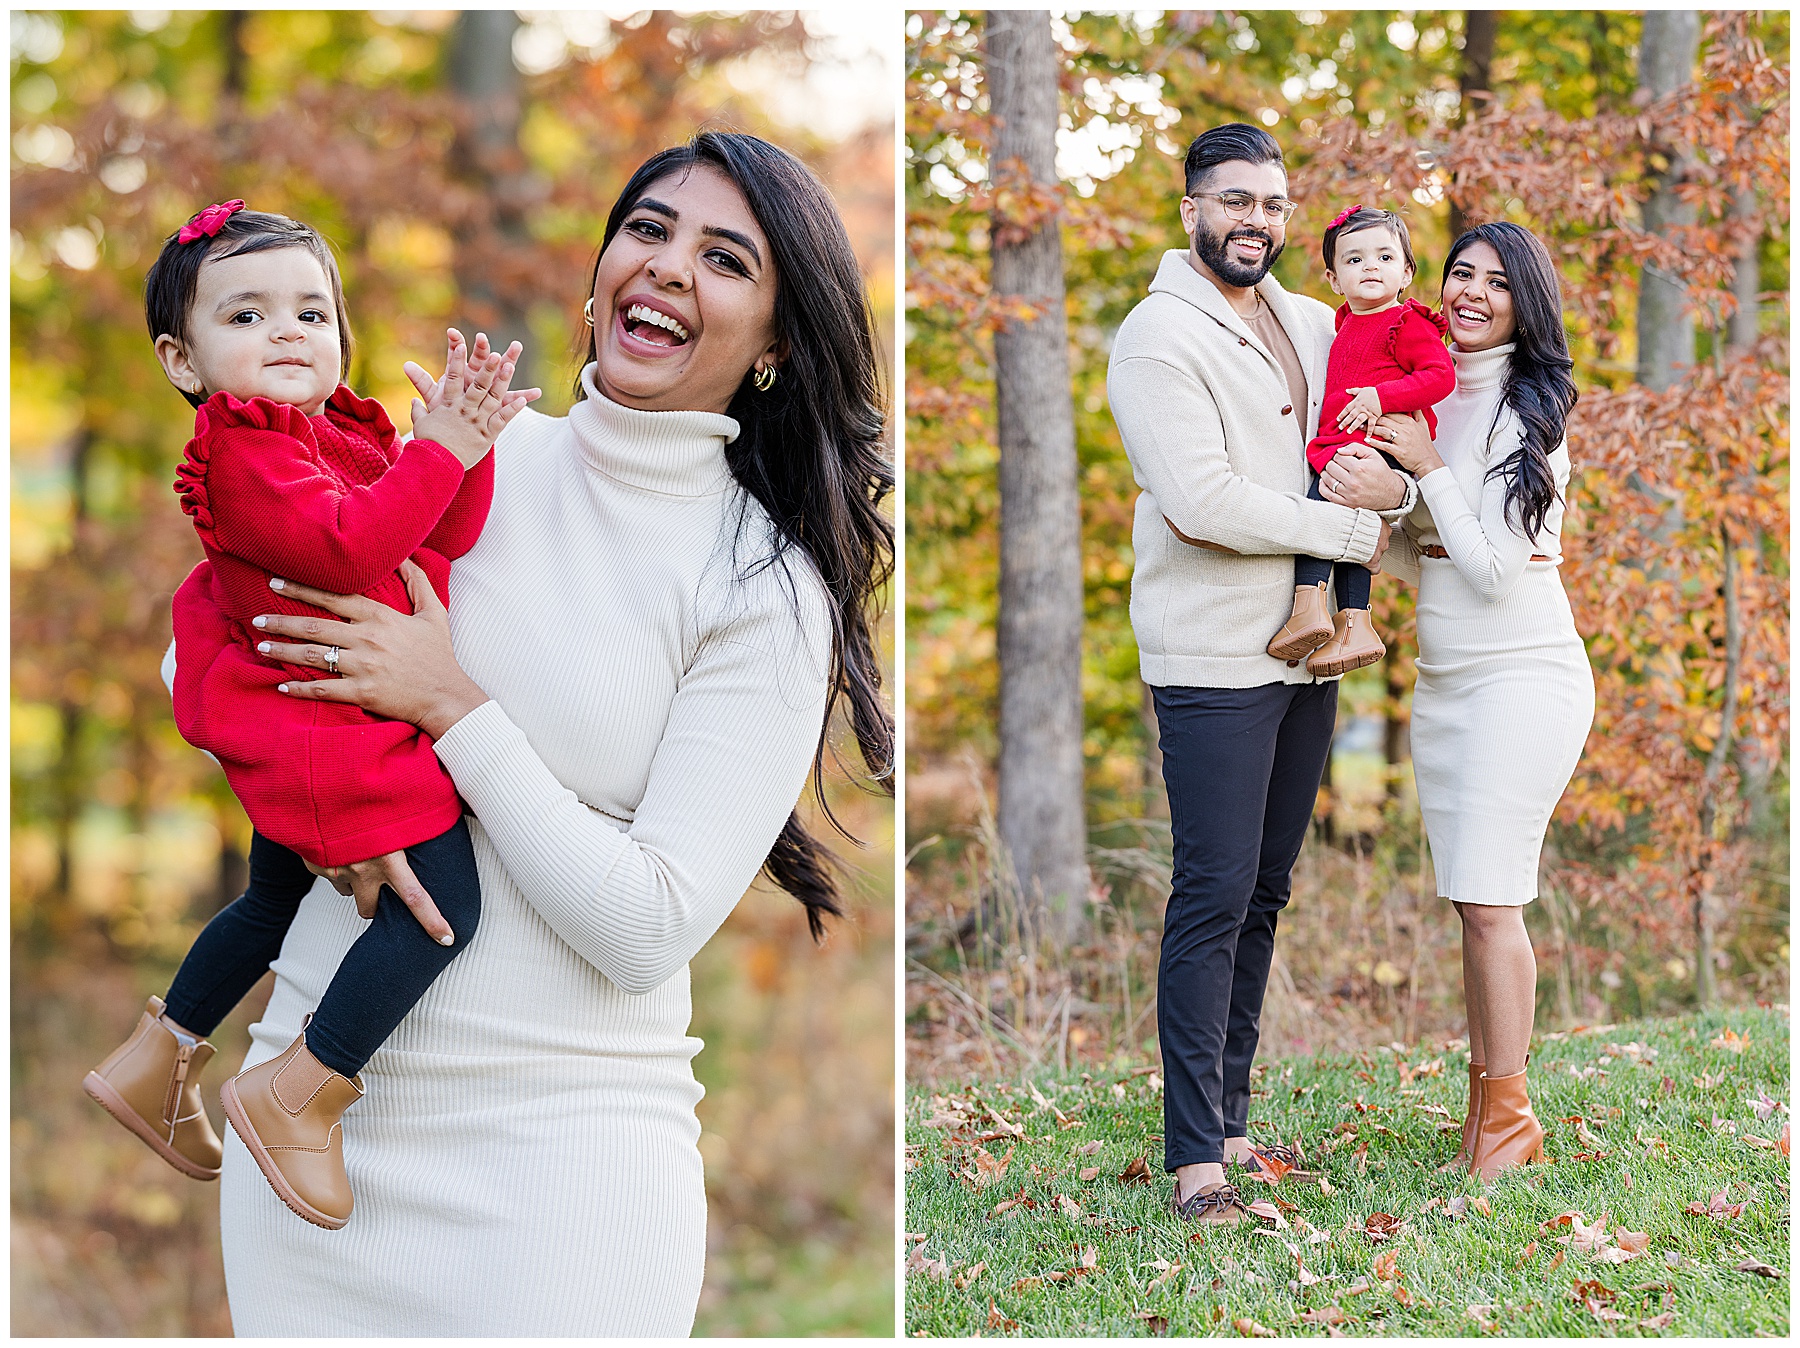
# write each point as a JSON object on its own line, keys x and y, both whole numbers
{"x": 472, "y": 749}
{"x": 1435, "y": 484}
{"x": 1365, "y": 530}
{"x": 1407, "y": 502}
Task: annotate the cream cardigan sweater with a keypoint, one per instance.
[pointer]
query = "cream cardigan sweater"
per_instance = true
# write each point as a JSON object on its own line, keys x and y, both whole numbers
{"x": 1203, "y": 410}
{"x": 525, "y": 1160}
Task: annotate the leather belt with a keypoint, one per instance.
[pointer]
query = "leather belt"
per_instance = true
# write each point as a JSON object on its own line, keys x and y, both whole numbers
{"x": 1433, "y": 550}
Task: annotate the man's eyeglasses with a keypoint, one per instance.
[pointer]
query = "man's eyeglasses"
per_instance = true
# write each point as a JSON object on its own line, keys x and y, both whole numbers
{"x": 1238, "y": 205}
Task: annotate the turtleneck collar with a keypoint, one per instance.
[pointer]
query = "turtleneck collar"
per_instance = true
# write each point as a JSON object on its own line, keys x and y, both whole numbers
{"x": 1481, "y": 369}
{"x": 674, "y": 453}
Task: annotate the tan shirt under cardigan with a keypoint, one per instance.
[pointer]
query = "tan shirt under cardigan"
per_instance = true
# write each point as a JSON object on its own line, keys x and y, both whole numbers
{"x": 1218, "y": 448}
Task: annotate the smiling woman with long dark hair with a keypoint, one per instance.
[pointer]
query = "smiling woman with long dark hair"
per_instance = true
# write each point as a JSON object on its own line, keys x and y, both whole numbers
{"x": 1505, "y": 695}
{"x": 674, "y": 590}
{"x": 808, "y": 448}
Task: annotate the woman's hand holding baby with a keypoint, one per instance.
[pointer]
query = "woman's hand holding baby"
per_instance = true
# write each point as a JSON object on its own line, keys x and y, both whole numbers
{"x": 1408, "y": 439}
{"x": 362, "y": 880}
{"x": 467, "y": 409}
{"x": 389, "y": 663}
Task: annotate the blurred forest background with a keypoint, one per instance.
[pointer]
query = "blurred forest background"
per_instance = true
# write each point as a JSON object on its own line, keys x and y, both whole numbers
{"x": 462, "y": 165}
{"x": 1636, "y": 146}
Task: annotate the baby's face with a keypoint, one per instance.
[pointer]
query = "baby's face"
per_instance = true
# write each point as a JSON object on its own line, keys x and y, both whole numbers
{"x": 1371, "y": 269}
{"x": 263, "y": 326}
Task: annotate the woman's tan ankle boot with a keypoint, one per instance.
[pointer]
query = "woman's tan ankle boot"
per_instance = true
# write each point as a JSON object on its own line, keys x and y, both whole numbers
{"x": 288, "y": 1111}
{"x": 1307, "y": 629}
{"x": 151, "y": 1084}
{"x": 1471, "y": 1117}
{"x": 1353, "y": 644}
{"x": 1507, "y": 1133}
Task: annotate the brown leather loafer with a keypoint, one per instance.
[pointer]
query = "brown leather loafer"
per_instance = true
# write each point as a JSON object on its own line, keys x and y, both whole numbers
{"x": 1307, "y": 629}
{"x": 151, "y": 1084}
{"x": 1353, "y": 644}
{"x": 1220, "y": 1204}
{"x": 289, "y": 1111}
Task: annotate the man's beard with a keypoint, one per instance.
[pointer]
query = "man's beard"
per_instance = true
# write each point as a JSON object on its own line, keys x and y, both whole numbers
{"x": 1211, "y": 249}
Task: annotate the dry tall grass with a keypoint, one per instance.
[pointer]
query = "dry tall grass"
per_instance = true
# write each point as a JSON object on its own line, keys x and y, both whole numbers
{"x": 1366, "y": 953}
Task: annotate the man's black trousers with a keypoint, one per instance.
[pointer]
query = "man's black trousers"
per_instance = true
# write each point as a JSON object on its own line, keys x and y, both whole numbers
{"x": 1243, "y": 767}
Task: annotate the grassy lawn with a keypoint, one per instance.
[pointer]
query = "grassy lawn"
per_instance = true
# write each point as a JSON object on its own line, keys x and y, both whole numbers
{"x": 1643, "y": 1120}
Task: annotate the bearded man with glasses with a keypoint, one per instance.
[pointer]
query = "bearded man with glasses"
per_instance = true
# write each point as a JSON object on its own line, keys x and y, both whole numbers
{"x": 1215, "y": 381}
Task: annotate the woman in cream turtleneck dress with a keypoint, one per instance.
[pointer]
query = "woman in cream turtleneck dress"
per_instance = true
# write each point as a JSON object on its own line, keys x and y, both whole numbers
{"x": 1505, "y": 694}
{"x": 645, "y": 656}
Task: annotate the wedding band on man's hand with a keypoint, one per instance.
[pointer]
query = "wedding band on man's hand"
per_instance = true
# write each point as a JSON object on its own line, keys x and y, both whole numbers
{"x": 331, "y": 658}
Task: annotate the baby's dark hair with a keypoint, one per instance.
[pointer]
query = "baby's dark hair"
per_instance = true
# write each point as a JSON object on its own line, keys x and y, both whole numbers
{"x": 174, "y": 278}
{"x": 1367, "y": 217}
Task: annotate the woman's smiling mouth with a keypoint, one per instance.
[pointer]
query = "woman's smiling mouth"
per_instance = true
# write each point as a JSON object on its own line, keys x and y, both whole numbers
{"x": 651, "y": 326}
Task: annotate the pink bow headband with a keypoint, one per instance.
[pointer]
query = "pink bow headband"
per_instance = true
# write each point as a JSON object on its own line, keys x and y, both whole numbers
{"x": 209, "y": 222}
{"x": 1344, "y": 215}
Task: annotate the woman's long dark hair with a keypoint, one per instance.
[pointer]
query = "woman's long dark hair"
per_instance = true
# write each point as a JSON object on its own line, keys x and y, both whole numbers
{"x": 810, "y": 451}
{"x": 1539, "y": 387}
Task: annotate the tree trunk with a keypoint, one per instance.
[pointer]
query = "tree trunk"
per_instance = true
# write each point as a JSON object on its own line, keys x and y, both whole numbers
{"x": 71, "y": 792}
{"x": 237, "y": 59}
{"x": 1156, "y": 795}
{"x": 230, "y": 131}
{"x": 1393, "y": 737}
{"x": 1705, "y": 986}
{"x": 1041, "y": 821}
{"x": 1746, "y": 283}
{"x": 1326, "y": 820}
{"x": 1479, "y": 27}
{"x": 1665, "y": 329}
{"x": 487, "y": 85}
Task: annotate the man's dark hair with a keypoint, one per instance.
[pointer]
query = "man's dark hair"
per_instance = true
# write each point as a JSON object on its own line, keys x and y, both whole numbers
{"x": 1368, "y": 217}
{"x": 174, "y": 277}
{"x": 1234, "y": 140}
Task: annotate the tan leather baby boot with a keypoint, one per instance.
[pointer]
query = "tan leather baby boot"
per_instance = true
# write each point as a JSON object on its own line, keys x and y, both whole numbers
{"x": 1353, "y": 644}
{"x": 1308, "y": 627}
{"x": 151, "y": 1084}
{"x": 288, "y": 1111}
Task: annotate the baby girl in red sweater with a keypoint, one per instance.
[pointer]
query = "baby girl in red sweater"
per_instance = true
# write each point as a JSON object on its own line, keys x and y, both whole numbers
{"x": 290, "y": 474}
{"x": 1388, "y": 356}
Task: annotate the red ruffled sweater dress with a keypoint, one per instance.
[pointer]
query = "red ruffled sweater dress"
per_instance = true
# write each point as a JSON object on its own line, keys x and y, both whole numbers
{"x": 334, "y": 502}
{"x": 1400, "y": 352}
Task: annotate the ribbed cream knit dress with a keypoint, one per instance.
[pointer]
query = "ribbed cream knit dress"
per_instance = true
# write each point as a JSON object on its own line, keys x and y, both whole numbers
{"x": 1505, "y": 695}
{"x": 525, "y": 1159}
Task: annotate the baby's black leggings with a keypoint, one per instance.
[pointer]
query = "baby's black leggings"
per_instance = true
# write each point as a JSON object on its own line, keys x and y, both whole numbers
{"x": 383, "y": 975}
{"x": 1352, "y": 577}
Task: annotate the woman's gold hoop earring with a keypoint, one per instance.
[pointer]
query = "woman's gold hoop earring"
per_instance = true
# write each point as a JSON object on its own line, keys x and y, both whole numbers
{"x": 765, "y": 379}
{"x": 587, "y": 312}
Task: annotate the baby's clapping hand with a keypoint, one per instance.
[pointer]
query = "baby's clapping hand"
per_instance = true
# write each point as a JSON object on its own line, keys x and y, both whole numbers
{"x": 466, "y": 409}
{"x": 1361, "y": 410}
